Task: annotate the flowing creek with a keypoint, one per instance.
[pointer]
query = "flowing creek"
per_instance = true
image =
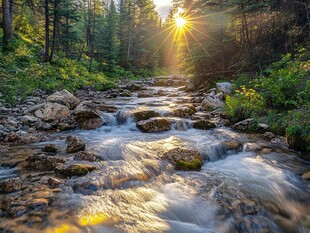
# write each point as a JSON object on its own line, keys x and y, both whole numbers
{"x": 134, "y": 190}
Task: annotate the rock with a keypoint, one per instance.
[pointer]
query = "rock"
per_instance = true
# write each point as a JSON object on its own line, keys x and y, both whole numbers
{"x": 42, "y": 162}
{"x": 64, "y": 98}
{"x": 140, "y": 115}
{"x": 92, "y": 123}
{"x": 75, "y": 169}
{"x": 30, "y": 120}
{"x": 245, "y": 207}
{"x": 306, "y": 176}
{"x": 86, "y": 110}
{"x": 53, "y": 112}
{"x": 34, "y": 108}
{"x": 125, "y": 94}
{"x": 53, "y": 182}
{"x": 65, "y": 126}
{"x": 87, "y": 156}
{"x": 243, "y": 125}
{"x": 252, "y": 147}
{"x": 154, "y": 125}
{"x": 10, "y": 185}
{"x": 134, "y": 87}
{"x": 232, "y": 145}
{"x": 212, "y": 102}
{"x": 75, "y": 144}
{"x": 262, "y": 128}
{"x": 144, "y": 95}
{"x": 268, "y": 136}
{"x": 37, "y": 204}
{"x": 107, "y": 108}
{"x": 184, "y": 112}
{"x": 184, "y": 159}
{"x": 45, "y": 126}
{"x": 225, "y": 87}
{"x": 203, "y": 124}
{"x": 13, "y": 137}
{"x": 52, "y": 148}
{"x": 16, "y": 211}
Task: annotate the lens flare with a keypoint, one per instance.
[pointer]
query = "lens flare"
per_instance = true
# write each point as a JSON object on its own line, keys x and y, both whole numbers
{"x": 180, "y": 22}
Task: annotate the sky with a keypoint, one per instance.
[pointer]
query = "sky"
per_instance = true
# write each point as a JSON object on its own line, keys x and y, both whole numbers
{"x": 162, "y": 6}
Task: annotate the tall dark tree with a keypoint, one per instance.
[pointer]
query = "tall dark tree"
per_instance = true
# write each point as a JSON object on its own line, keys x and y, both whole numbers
{"x": 7, "y": 13}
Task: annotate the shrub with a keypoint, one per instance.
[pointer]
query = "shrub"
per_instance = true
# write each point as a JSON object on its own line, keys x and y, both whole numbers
{"x": 244, "y": 104}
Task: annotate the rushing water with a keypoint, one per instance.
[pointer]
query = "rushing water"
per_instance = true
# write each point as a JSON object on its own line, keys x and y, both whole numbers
{"x": 133, "y": 190}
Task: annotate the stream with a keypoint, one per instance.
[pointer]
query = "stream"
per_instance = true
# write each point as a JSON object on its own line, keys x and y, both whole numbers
{"x": 134, "y": 190}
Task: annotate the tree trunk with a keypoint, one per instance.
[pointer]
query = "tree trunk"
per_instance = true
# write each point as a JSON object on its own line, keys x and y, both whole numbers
{"x": 47, "y": 31}
{"x": 54, "y": 30}
{"x": 7, "y": 22}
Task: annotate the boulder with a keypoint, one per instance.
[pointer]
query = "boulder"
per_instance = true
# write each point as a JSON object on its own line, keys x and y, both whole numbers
{"x": 125, "y": 94}
{"x": 243, "y": 125}
{"x": 50, "y": 148}
{"x": 14, "y": 137}
{"x": 268, "y": 136}
{"x": 107, "y": 108}
{"x": 212, "y": 102}
{"x": 30, "y": 120}
{"x": 64, "y": 98}
{"x": 134, "y": 87}
{"x": 75, "y": 169}
{"x": 92, "y": 123}
{"x": 53, "y": 182}
{"x": 10, "y": 185}
{"x": 154, "y": 125}
{"x": 203, "y": 124}
{"x": 262, "y": 128}
{"x": 42, "y": 162}
{"x": 75, "y": 144}
{"x": 144, "y": 95}
{"x": 141, "y": 115}
{"x": 86, "y": 110}
{"x": 184, "y": 159}
{"x": 225, "y": 87}
{"x": 87, "y": 156}
{"x": 53, "y": 112}
{"x": 232, "y": 145}
{"x": 184, "y": 112}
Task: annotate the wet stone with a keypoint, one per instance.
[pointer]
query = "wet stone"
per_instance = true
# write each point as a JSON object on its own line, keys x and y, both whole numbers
{"x": 74, "y": 144}
{"x": 42, "y": 162}
{"x": 87, "y": 156}
{"x": 10, "y": 185}
{"x": 154, "y": 125}
{"x": 75, "y": 169}
{"x": 184, "y": 159}
{"x": 50, "y": 148}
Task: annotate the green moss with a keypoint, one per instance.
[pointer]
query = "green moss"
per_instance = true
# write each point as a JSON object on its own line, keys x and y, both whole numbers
{"x": 194, "y": 165}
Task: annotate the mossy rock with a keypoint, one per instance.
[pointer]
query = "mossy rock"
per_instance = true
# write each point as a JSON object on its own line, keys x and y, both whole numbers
{"x": 204, "y": 124}
{"x": 144, "y": 115}
{"x": 184, "y": 112}
{"x": 154, "y": 125}
{"x": 75, "y": 169}
{"x": 184, "y": 159}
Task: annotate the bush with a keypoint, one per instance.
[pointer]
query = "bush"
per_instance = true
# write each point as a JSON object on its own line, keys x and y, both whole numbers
{"x": 244, "y": 104}
{"x": 287, "y": 83}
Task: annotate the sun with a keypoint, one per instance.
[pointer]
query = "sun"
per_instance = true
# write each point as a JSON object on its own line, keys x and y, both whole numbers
{"x": 180, "y": 22}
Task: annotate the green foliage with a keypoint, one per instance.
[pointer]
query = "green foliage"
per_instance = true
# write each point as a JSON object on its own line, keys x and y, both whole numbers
{"x": 287, "y": 83}
{"x": 244, "y": 104}
{"x": 21, "y": 73}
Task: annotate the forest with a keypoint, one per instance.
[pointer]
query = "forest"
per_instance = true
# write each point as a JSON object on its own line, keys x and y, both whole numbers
{"x": 180, "y": 116}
